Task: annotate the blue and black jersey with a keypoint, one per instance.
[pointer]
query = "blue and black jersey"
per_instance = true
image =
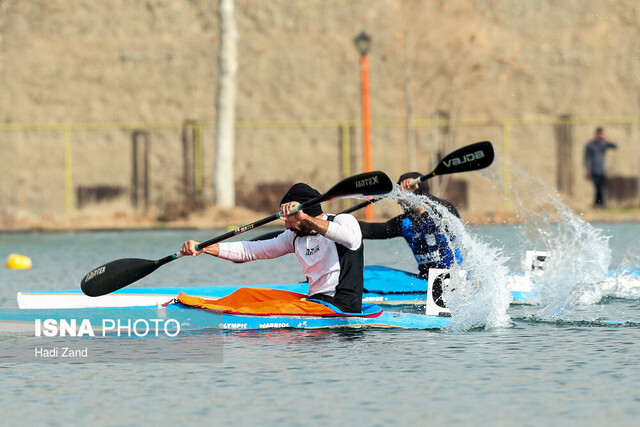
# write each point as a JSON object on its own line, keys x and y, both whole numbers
{"x": 424, "y": 235}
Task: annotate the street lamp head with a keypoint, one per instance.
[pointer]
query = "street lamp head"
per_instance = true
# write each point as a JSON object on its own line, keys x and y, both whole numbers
{"x": 363, "y": 43}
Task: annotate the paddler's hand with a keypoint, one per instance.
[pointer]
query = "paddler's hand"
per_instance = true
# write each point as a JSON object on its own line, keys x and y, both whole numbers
{"x": 298, "y": 222}
{"x": 287, "y": 213}
{"x": 408, "y": 185}
{"x": 189, "y": 248}
{"x": 405, "y": 203}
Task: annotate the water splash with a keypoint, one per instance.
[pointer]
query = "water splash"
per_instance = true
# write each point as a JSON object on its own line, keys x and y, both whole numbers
{"x": 624, "y": 283}
{"x": 479, "y": 296}
{"x": 579, "y": 254}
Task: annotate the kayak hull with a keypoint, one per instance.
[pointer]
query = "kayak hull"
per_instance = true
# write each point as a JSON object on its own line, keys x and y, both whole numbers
{"x": 181, "y": 317}
{"x": 133, "y": 297}
{"x": 383, "y": 286}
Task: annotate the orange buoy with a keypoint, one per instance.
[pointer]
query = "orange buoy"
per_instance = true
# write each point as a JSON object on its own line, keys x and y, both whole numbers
{"x": 18, "y": 262}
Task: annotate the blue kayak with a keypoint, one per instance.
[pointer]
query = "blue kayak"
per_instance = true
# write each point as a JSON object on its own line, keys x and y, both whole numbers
{"x": 382, "y": 285}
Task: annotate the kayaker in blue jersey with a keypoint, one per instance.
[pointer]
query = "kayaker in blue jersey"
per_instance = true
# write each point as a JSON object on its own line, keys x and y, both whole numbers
{"x": 329, "y": 248}
{"x": 424, "y": 232}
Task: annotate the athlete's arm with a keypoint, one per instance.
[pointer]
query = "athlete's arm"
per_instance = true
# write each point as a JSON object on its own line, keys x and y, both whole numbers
{"x": 345, "y": 230}
{"x": 381, "y": 230}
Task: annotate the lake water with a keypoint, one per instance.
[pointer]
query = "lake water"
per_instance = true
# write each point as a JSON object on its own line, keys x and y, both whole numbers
{"x": 562, "y": 368}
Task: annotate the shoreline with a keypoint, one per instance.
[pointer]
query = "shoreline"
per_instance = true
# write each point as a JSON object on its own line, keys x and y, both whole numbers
{"x": 229, "y": 219}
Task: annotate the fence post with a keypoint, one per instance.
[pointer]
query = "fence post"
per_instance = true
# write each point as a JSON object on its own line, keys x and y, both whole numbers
{"x": 68, "y": 171}
{"x": 506, "y": 171}
{"x": 344, "y": 139}
{"x": 188, "y": 159}
{"x": 192, "y": 163}
{"x": 199, "y": 163}
{"x": 140, "y": 168}
{"x": 564, "y": 158}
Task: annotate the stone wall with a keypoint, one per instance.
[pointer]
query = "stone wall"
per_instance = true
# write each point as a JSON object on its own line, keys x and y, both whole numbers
{"x": 90, "y": 64}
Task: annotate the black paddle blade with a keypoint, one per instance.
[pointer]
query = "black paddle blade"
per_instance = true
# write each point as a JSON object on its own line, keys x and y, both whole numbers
{"x": 364, "y": 184}
{"x": 115, "y": 275}
{"x": 466, "y": 159}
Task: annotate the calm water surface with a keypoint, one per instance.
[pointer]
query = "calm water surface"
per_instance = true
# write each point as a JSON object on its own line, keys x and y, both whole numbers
{"x": 530, "y": 373}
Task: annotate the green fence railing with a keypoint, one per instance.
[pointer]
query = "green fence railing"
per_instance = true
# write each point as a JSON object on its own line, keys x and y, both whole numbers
{"x": 347, "y": 133}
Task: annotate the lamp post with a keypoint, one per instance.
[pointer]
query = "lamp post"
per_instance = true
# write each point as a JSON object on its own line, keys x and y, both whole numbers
{"x": 363, "y": 44}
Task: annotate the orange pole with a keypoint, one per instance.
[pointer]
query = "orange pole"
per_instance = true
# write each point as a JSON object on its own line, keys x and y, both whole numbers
{"x": 366, "y": 125}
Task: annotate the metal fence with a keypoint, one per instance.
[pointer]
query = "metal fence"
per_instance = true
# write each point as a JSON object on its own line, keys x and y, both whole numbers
{"x": 60, "y": 168}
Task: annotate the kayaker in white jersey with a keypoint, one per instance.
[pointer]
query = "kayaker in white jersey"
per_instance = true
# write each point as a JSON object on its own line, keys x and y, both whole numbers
{"x": 329, "y": 248}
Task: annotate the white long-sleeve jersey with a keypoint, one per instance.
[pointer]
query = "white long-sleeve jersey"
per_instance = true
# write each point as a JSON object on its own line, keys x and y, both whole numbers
{"x": 319, "y": 256}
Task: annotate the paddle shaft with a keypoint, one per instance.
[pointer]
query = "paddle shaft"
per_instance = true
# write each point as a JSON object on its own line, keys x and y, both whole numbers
{"x": 220, "y": 238}
{"x": 239, "y": 230}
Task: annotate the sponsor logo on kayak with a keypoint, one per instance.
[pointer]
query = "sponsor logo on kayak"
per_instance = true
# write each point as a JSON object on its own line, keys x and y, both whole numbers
{"x": 367, "y": 182}
{"x": 98, "y": 271}
{"x": 467, "y": 158}
{"x": 275, "y": 325}
{"x": 84, "y": 328}
{"x": 234, "y": 326}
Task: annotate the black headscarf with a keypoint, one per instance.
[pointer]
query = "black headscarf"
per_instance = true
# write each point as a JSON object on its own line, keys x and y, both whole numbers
{"x": 301, "y": 193}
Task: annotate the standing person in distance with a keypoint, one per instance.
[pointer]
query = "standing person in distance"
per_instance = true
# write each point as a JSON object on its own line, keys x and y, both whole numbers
{"x": 594, "y": 164}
